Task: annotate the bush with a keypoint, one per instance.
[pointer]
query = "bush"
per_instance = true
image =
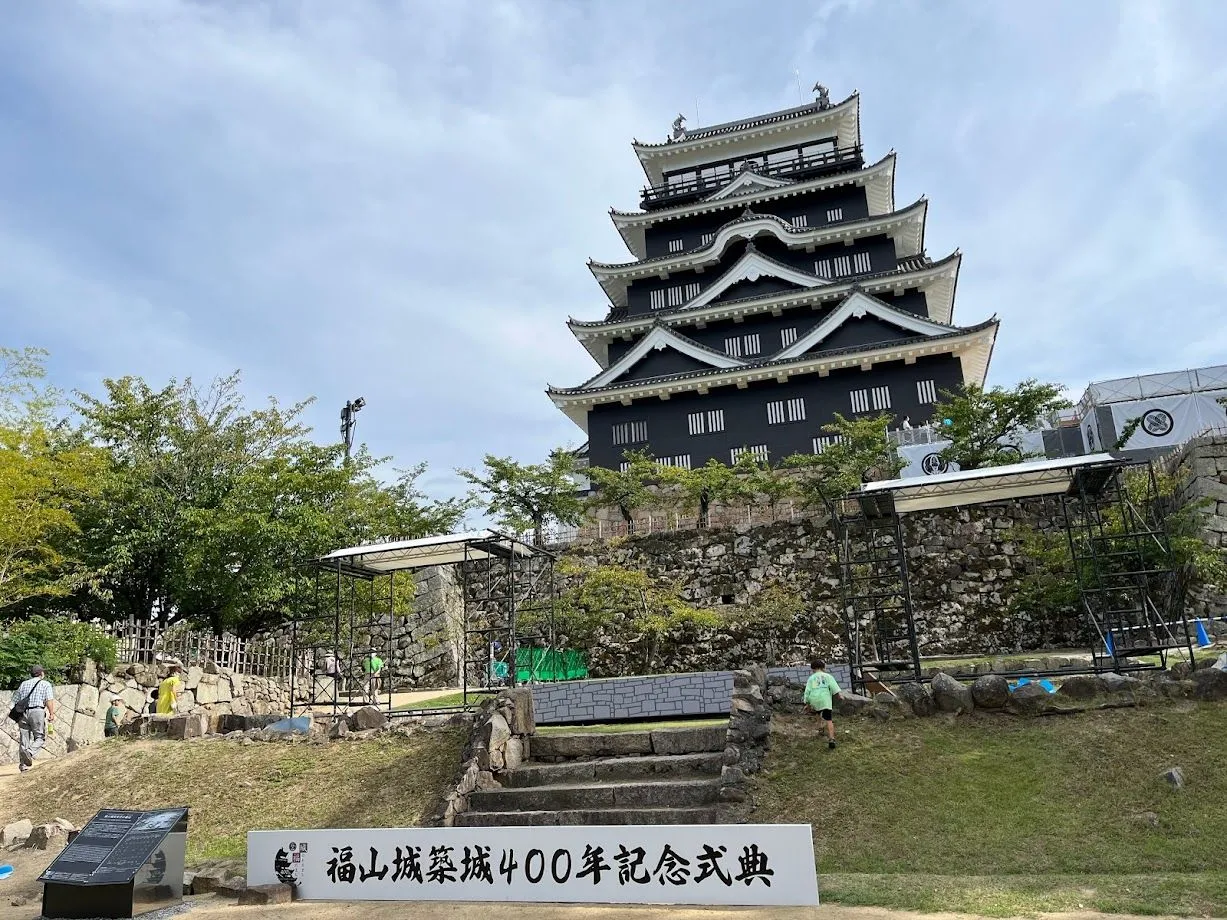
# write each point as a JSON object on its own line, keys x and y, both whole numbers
{"x": 57, "y": 643}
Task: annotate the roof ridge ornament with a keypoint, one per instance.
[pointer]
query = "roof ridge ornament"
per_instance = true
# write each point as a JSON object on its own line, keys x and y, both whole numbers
{"x": 679, "y": 129}
{"x": 823, "y": 96}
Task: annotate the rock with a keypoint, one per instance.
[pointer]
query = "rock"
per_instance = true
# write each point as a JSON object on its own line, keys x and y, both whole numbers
{"x": 192, "y": 725}
{"x": 1029, "y": 699}
{"x": 951, "y": 696}
{"x": 1145, "y": 818}
{"x": 191, "y": 680}
{"x": 339, "y": 729}
{"x": 1210, "y": 685}
{"x": 522, "y": 719}
{"x": 16, "y": 833}
{"x": 1174, "y": 776}
{"x": 267, "y": 894}
{"x": 513, "y": 753}
{"x": 990, "y": 691}
{"x": 210, "y": 667}
{"x": 66, "y": 826}
{"x": 368, "y": 717}
{"x": 852, "y": 704}
{"x": 1115, "y": 683}
{"x": 41, "y": 836}
{"x": 917, "y": 696}
{"x": 217, "y": 880}
{"x": 1082, "y": 686}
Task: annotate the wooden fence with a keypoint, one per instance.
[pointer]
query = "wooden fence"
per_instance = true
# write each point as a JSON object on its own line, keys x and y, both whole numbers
{"x": 148, "y": 643}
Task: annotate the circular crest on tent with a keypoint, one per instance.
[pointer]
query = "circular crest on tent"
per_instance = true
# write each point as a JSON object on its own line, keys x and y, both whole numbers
{"x": 1013, "y": 451}
{"x": 1158, "y": 422}
{"x": 933, "y": 463}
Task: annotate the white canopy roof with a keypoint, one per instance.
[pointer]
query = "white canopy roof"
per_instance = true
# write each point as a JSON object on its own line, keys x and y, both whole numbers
{"x": 974, "y": 487}
{"x": 383, "y": 558}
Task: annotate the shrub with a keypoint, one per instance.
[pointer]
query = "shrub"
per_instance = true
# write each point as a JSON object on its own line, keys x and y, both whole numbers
{"x": 57, "y": 643}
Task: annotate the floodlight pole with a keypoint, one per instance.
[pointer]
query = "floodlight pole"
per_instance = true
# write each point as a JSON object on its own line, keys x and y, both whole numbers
{"x": 348, "y": 422}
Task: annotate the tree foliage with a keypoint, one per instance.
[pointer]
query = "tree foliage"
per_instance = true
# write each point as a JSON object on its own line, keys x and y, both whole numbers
{"x": 627, "y": 602}
{"x": 859, "y": 453}
{"x": 526, "y": 496}
{"x": 626, "y": 489}
{"x": 986, "y": 425}
{"x": 699, "y": 488}
{"x": 57, "y": 643}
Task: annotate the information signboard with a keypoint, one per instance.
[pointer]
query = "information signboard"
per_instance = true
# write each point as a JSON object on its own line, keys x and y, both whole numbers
{"x": 121, "y": 863}
{"x": 734, "y": 864}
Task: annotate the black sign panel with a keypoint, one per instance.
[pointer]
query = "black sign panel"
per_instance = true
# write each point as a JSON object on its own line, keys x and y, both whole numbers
{"x": 113, "y": 847}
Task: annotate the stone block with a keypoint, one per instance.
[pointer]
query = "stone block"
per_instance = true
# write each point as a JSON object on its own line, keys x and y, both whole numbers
{"x": 191, "y": 679}
{"x": 368, "y": 717}
{"x": 16, "y": 833}
{"x": 1210, "y": 684}
{"x": 950, "y": 695}
{"x": 1082, "y": 686}
{"x": 190, "y": 725}
{"x": 990, "y": 691}
{"x": 266, "y": 894}
{"x": 1030, "y": 699}
{"x": 87, "y": 700}
{"x": 689, "y": 740}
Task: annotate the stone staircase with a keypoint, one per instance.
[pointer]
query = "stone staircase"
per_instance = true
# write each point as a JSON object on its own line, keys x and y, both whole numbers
{"x": 664, "y": 776}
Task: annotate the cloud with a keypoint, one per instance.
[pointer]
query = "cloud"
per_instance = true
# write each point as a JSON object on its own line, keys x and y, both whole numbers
{"x": 397, "y": 200}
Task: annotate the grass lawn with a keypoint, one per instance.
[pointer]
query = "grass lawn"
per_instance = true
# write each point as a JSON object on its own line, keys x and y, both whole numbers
{"x": 618, "y": 727}
{"x": 1000, "y": 816}
{"x": 447, "y": 701}
{"x": 391, "y": 781}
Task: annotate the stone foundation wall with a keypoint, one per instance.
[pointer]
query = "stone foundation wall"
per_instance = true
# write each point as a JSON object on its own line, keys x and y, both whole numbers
{"x": 213, "y": 691}
{"x": 1202, "y": 466}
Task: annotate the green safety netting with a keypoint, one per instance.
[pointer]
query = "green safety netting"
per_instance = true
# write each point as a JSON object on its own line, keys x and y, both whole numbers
{"x": 549, "y": 664}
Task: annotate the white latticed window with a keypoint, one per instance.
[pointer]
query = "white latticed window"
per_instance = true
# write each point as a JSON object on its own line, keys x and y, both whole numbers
{"x": 881, "y": 397}
{"x": 860, "y": 400}
{"x": 834, "y": 214}
{"x": 781, "y": 411}
{"x": 707, "y": 238}
{"x": 822, "y": 268}
{"x": 739, "y": 345}
{"x": 758, "y": 452}
{"x": 675, "y": 245}
{"x": 843, "y": 266}
{"x": 624, "y": 466}
{"x": 926, "y": 391}
{"x": 692, "y": 290}
{"x": 860, "y": 263}
{"x": 630, "y": 432}
{"x": 658, "y": 300}
{"x": 682, "y": 461}
{"x": 823, "y": 442}
{"x": 788, "y": 336}
{"x": 676, "y": 293}
{"x": 799, "y": 221}
{"x": 706, "y": 422}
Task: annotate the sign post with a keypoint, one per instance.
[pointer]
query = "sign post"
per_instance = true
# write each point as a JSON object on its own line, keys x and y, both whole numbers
{"x": 121, "y": 864}
{"x": 731, "y": 864}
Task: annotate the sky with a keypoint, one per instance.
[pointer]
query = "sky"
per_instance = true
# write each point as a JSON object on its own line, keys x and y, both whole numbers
{"x": 397, "y": 200}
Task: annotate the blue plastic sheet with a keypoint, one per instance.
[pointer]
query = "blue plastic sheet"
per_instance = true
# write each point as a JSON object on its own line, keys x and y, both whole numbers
{"x": 300, "y": 725}
{"x": 1023, "y": 681}
{"x": 5, "y": 871}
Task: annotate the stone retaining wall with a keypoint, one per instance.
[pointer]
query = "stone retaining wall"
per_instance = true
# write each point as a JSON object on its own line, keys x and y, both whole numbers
{"x": 213, "y": 691}
{"x": 656, "y": 696}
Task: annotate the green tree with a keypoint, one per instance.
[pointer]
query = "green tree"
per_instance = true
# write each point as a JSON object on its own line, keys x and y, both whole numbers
{"x": 764, "y": 483}
{"x": 860, "y": 453}
{"x": 57, "y": 643}
{"x": 698, "y": 489}
{"x": 525, "y": 496}
{"x": 611, "y": 599}
{"x": 986, "y": 425}
{"x": 776, "y": 609}
{"x": 627, "y": 490}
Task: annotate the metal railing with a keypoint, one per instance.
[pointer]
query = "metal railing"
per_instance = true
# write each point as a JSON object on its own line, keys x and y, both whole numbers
{"x": 656, "y": 195}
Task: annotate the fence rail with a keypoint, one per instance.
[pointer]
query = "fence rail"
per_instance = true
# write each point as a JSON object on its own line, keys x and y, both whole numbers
{"x": 148, "y": 642}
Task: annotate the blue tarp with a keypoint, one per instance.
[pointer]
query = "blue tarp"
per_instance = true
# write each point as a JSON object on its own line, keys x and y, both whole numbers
{"x": 300, "y": 725}
{"x": 1023, "y": 681}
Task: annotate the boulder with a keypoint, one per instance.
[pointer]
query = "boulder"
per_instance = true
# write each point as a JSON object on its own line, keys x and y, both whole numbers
{"x": 206, "y": 691}
{"x": 192, "y": 725}
{"x": 990, "y": 691}
{"x": 917, "y": 696}
{"x": 1030, "y": 699}
{"x": 266, "y": 894}
{"x": 1082, "y": 686}
{"x": 339, "y": 729}
{"x": 191, "y": 680}
{"x": 16, "y": 833}
{"x": 368, "y": 717}
{"x": 851, "y": 704}
{"x": 521, "y": 719}
{"x": 1174, "y": 777}
{"x": 951, "y": 696}
{"x": 1210, "y": 684}
{"x": 1115, "y": 683}
{"x": 41, "y": 836}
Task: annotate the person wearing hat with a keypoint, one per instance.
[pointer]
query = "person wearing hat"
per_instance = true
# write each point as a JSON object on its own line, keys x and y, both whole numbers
{"x": 115, "y": 715}
{"x": 372, "y": 666}
{"x": 168, "y": 690}
{"x": 37, "y": 696}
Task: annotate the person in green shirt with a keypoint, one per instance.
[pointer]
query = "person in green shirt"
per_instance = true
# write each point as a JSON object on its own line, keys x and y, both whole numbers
{"x": 372, "y": 666}
{"x": 819, "y": 690}
{"x": 110, "y": 728}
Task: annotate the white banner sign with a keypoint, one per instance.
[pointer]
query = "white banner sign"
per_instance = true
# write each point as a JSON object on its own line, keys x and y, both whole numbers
{"x": 732, "y": 864}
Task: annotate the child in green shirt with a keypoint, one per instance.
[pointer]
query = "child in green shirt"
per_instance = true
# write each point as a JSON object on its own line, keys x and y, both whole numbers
{"x": 111, "y": 727}
{"x": 819, "y": 690}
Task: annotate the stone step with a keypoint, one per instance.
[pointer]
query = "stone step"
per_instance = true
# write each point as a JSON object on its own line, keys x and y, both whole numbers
{"x": 661, "y": 741}
{"x": 678, "y": 793}
{"x": 601, "y": 769}
{"x": 588, "y": 817}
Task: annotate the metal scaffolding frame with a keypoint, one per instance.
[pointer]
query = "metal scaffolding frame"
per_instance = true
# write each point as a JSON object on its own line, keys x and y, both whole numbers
{"x": 1118, "y": 548}
{"x": 340, "y": 611}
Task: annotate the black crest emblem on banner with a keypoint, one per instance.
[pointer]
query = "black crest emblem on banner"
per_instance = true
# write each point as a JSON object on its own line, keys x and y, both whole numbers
{"x": 933, "y": 463}
{"x": 1158, "y": 422}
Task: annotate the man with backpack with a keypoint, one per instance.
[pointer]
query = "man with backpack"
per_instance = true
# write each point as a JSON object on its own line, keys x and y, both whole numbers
{"x": 819, "y": 690}
{"x": 33, "y": 709}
